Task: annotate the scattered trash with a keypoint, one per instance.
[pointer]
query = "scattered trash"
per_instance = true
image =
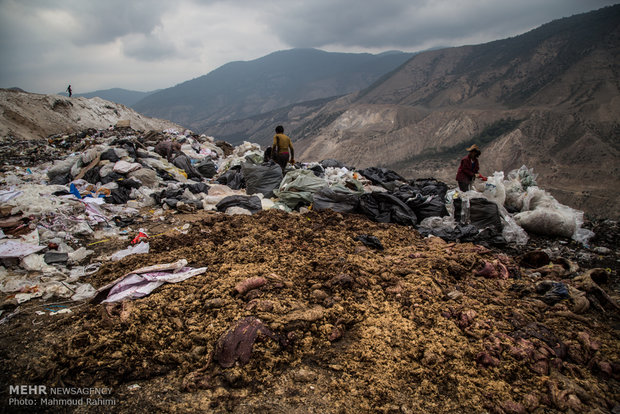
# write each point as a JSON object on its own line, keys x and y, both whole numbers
{"x": 16, "y": 249}
{"x": 138, "y": 239}
{"x": 370, "y": 241}
{"x": 143, "y": 281}
{"x": 140, "y": 248}
{"x": 237, "y": 342}
{"x": 552, "y": 292}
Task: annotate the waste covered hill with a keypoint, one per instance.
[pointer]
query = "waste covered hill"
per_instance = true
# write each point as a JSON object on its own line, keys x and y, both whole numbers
{"x": 213, "y": 282}
{"x": 28, "y": 116}
{"x": 547, "y": 99}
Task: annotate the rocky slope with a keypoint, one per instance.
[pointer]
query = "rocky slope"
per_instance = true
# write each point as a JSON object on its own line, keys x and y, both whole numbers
{"x": 25, "y": 116}
{"x": 547, "y": 99}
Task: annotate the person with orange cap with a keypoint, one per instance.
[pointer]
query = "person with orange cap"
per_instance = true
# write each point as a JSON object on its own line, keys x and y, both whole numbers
{"x": 468, "y": 168}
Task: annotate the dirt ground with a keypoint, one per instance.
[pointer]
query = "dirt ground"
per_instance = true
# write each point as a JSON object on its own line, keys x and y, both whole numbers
{"x": 333, "y": 325}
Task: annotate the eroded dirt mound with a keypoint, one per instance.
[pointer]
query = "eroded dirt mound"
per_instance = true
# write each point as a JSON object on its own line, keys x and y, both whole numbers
{"x": 295, "y": 315}
{"x": 25, "y": 116}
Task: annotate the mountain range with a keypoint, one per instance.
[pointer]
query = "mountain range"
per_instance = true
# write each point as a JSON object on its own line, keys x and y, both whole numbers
{"x": 240, "y": 90}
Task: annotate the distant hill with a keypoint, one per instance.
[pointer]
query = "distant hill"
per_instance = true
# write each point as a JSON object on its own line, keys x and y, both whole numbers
{"x": 118, "y": 95}
{"x": 240, "y": 90}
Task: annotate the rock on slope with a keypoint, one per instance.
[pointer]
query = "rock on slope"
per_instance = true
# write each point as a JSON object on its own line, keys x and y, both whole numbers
{"x": 33, "y": 116}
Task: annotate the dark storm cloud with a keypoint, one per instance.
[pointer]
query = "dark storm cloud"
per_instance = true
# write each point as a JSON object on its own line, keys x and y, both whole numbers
{"x": 150, "y": 44}
{"x": 104, "y": 21}
{"x": 409, "y": 24}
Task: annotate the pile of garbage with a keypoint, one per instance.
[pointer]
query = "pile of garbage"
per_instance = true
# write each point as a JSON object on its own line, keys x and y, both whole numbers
{"x": 254, "y": 307}
{"x": 106, "y": 179}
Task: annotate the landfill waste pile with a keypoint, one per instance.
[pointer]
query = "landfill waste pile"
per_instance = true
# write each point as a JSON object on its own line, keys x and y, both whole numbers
{"x": 184, "y": 274}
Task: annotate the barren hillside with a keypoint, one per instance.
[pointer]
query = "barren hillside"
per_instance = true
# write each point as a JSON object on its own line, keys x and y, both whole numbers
{"x": 33, "y": 116}
{"x": 548, "y": 99}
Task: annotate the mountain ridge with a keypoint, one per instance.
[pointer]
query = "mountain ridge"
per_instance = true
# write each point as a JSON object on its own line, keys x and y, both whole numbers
{"x": 242, "y": 89}
{"x": 117, "y": 95}
{"x": 562, "y": 85}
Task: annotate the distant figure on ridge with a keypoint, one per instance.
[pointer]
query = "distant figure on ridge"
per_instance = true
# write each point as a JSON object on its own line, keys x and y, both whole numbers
{"x": 468, "y": 169}
{"x": 280, "y": 148}
{"x": 69, "y": 91}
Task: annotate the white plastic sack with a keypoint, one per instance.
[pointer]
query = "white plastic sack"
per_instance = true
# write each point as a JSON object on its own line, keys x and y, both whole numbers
{"x": 547, "y": 220}
{"x": 36, "y": 263}
{"x": 515, "y": 194}
{"x": 536, "y": 197}
{"x": 140, "y": 248}
{"x": 37, "y": 199}
{"x": 84, "y": 291}
{"x": 231, "y": 211}
{"x": 124, "y": 167}
{"x": 543, "y": 214}
{"x": 524, "y": 176}
{"x": 79, "y": 255}
{"x": 494, "y": 189}
{"x": 15, "y": 249}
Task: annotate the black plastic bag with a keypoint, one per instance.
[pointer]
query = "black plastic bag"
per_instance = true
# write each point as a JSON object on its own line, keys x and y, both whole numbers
{"x": 119, "y": 195}
{"x": 206, "y": 168}
{"x": 431, "y": 186}
{"x": 553, "y": 291}
{"x": 482, "y": 213}
{"x": 432, "y": 206}
{"x": 197, "y": 188}
{"x": 92, "y": 176}
{"x": 331, "y": 163}
{"x": 381, "y": 176}
{"x": 336, "y": 199}
{"x": 251, "y": 203}
{"x": 261, "y": 178}
{"x": 129, "y": 183}
{"x": 61, "y": 179}
{"x": 110, "y": 155}
{"x": 462, "y": 233}
{"x": 112, "y": 176}
{"x": 167, "y": 193}
{"x": 183, "y": 162}
{"x": 233, "y": 178}
{"x": 406, "y": 192}
{"x": 386, "y": 208}
{"x": 370, "y": 241}
{"x": 318, "y": 170}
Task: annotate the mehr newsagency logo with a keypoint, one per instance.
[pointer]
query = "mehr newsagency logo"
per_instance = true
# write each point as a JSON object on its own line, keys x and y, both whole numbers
{"x": 42, "y": 395}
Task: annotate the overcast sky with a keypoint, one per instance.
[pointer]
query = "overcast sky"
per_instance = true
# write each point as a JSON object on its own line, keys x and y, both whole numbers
{"x": 145, "y": 45}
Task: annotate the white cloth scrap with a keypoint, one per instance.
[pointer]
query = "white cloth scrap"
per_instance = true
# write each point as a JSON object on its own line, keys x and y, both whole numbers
{"x": 142, "y": 282}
